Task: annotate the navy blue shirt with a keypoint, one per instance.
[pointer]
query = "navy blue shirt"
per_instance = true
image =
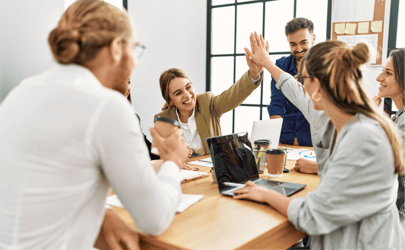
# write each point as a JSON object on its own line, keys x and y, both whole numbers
{"x": 294, "y": 122}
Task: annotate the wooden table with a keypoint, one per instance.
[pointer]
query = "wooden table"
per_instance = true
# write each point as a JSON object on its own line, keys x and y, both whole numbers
{"x": 220, "y": 222}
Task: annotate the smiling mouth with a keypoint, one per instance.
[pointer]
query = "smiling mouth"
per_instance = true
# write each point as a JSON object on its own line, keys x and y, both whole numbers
{"x": 187, "y": 102}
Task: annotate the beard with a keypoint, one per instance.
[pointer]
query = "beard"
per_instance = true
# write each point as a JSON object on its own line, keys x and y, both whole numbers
{"x": 121, "y": 75}
{"x": 299, "y": 57}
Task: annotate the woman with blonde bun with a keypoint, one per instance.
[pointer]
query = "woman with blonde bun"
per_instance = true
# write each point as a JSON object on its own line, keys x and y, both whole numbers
{"x": 357, "y": 148}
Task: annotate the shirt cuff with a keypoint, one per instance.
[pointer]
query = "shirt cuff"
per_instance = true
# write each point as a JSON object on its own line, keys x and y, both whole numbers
{"x": 171, "y": 170}
{"x": 284, "y": 77}
{"x": 257, "y": 81}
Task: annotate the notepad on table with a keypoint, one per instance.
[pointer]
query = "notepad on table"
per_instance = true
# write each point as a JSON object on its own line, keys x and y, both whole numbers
{"x": 186, "y": 200}
{"x": 189, "y": 175}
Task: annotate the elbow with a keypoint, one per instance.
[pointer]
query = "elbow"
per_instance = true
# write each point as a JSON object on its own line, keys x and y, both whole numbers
{"x": 157, "y": 224}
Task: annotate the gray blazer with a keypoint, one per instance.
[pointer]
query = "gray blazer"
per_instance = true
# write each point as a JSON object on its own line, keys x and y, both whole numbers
{"x": 354, "y": 203}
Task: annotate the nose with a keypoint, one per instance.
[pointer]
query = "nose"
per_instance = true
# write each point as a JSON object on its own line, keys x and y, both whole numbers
{"x": 299, "y": 48}
{"x": 380, "y": 77}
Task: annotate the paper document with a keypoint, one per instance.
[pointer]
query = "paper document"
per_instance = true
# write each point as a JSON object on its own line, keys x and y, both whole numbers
{"x": 296, "y": 154}
{"x": 203, "y": 162}
{"x": 186, "y": 200}
{"x": 188, "y": 175}
{"x": 353, "y": 10}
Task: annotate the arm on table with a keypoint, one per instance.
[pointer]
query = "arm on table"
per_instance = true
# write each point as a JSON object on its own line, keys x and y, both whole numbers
{"x": 306, "y": 166}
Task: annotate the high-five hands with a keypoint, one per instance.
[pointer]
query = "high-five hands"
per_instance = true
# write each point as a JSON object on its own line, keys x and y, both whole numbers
{"x": 255, "y": 68}
{"x": 259, "y": 55}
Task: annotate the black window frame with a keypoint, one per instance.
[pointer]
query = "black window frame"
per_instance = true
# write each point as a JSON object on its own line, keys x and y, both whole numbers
{"x": 209, "y": 56}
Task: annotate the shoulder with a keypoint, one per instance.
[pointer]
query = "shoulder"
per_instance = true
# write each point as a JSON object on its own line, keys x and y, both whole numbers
{"x": 363, "y": 131}
{"x": 168, "y": 113}
{"x": 284, "y": 61}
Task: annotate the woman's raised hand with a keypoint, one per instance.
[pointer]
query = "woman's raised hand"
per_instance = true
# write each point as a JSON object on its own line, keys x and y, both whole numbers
{"x": 260, "y": 50}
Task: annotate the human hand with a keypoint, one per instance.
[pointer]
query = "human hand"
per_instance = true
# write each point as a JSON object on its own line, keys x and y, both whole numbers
{"x": 259, "y": 54}
{"x": 188, "y": 167}
{"x": 190, "y": 152}
{"x": 252, "y": 192}
{"x": 115, "y": 234}
{"x": 377, "y": 100}
{"x": 255, "y": 68}
{"x": 171, "y": 148}
{"x": 306, "y": 166}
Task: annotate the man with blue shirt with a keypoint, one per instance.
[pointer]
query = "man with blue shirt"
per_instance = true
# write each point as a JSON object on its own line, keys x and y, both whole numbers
{"x": 295, "y": 129}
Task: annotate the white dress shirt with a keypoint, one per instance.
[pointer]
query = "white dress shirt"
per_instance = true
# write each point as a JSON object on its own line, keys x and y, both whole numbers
{"x": 64, "y": 138}
{"x": 190, "y": 134}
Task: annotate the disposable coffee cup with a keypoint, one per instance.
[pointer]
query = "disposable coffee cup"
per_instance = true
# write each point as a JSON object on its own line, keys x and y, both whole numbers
{"x": 260, "y": 147}
{"x": 275, "y": 162}
{"x": 262, "y": 143}
{"x": 165, "y": 127}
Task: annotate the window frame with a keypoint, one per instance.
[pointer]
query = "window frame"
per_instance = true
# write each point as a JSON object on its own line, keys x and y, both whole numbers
{"x": 209, "y": 55}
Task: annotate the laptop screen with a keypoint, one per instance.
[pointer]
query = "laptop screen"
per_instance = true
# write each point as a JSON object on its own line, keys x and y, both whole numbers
{"x": 232, "y": 159}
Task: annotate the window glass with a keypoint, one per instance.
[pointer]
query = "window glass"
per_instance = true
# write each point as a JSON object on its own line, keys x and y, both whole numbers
{"x": 223, "y": 30}
{"x": 244, "y": 117}
{"x": 220, "y": 2}
{"x": 221, "y": 74}
{"x": 401, "y": 25}
{"x": 226, "y": 123}
{"x": 266, "y": 82}
{"x": 318, "y": 15}
{"x": 278, "y": 13}
{"x": 250, "y": 19}
{"x": 241, "y": 68}
{"x": 242, "y": 1}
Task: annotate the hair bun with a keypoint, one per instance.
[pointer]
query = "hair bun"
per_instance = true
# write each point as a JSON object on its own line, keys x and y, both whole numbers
{"x": 362, "y": 53}
{"x": 64, "y": 44}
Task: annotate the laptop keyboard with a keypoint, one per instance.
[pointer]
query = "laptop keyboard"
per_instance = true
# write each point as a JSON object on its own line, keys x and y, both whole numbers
{"x": 267, "y": 183}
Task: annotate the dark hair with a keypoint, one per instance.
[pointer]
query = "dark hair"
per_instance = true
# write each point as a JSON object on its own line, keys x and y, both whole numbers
{"x": 398, "y": 58}
{"x": 164, "y": 80}
{"x": 337, "y": 66}
{"x": 299, "y": 23}
{"x": 86, "y": 27}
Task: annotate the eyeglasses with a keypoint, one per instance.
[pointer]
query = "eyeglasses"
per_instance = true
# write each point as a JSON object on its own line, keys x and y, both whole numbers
{"x": 139, "y": 50}
{"x": 300, "y": 78}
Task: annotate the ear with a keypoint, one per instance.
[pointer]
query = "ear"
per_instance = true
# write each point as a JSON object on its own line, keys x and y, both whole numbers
{"x": 313, "y": 39}
{"x": 116, "y": 49}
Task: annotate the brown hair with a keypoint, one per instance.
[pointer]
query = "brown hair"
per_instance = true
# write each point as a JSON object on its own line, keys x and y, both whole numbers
{"x": 299, "y": 23}
{"x": 86, "y": 27}
{"x": 338, "y": 69}
{"x": 164, "y": 80}
{"x": 398, "y": 58}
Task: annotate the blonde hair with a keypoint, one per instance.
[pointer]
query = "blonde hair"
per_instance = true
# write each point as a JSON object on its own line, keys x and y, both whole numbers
{"x": 337, "y": 66}
{"x": 86, "y": 27}
{"x": 164, "y": 80}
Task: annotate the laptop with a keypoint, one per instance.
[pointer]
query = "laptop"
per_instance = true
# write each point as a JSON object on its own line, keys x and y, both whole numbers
{"x": 267, "y": 129}
{"x": 234, "y": 162}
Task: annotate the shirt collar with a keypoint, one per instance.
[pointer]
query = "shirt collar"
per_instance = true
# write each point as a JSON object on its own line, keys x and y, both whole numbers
{"x": 74, "y": 70}
{"x": 191, "y": 117}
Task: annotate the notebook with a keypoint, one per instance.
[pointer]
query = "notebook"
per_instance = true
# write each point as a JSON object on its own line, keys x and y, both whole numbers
{"x": 267, "y": 129}
{"x": 189, "y": 175}
{"x": 233, "y": 161}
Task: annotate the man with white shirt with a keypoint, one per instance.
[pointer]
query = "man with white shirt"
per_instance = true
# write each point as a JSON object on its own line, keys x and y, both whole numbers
{"x": 66, "y": 139}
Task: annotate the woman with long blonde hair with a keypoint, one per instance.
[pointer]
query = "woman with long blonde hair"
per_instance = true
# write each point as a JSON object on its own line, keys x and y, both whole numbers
{"x": 357, "y": 148}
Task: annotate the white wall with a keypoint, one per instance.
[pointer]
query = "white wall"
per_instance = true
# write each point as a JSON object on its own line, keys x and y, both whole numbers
{"x": 174, "y": 33}
{"x": 24, "y": 50}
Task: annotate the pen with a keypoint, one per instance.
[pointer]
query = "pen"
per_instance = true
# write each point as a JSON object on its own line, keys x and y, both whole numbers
{"x": 259, "y": 154}
{"x": 231, "y": 184}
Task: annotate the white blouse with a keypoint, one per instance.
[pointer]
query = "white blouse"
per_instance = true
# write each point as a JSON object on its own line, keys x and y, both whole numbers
{"x": 190, "y": 134}
{"x": 64, "y": 141}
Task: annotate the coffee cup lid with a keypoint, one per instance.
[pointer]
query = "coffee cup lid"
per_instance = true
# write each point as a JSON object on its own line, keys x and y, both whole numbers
{"x": 275, "y": 151}
{"x": 164, "y": 119}
{"x": 262, "y": 142}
